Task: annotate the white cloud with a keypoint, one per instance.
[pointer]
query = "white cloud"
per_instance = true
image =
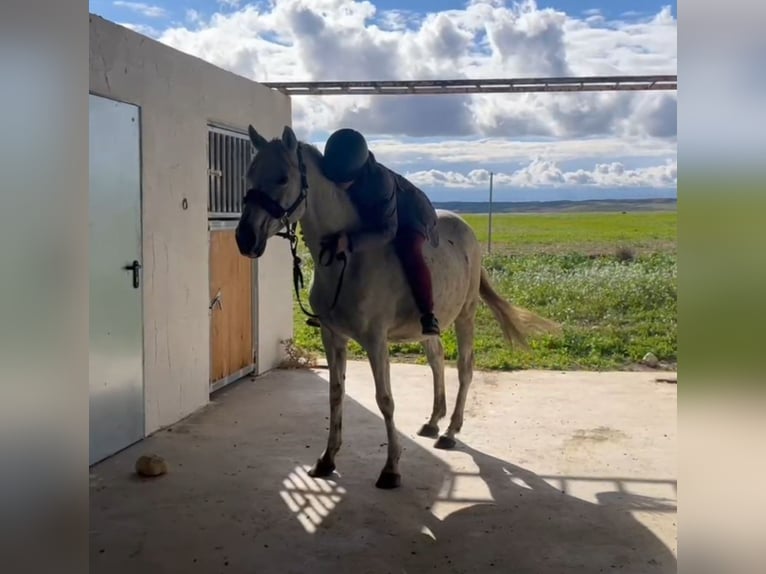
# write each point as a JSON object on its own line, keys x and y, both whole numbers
{"x": 497, "y": 150}
{"x": 398, "y": 19}
{"x": 338, "y": 39}
{"x": 147, "y": 10}
{"x": 289, "y": 40}
{"x": 546, "y": 173}
{"x": 192, "y": 16}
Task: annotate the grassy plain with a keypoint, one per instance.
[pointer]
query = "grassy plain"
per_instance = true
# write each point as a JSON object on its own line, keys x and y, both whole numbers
{"x": 609, "y": 278}
{"x": 584, "y": 233}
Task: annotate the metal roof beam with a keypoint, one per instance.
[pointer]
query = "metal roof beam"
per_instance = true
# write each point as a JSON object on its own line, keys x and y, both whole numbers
{"x": 480, "y": 86}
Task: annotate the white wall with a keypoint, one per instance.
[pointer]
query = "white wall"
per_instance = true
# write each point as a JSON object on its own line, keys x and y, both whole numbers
{"x": 275, "y": 321}
{"x": 178, "y": 95}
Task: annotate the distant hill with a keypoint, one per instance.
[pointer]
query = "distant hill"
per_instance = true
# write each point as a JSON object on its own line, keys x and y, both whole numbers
{"x": 591, "y": 205}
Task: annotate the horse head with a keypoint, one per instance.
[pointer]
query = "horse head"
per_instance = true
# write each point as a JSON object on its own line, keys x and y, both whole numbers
{"x": 276, "y": 191}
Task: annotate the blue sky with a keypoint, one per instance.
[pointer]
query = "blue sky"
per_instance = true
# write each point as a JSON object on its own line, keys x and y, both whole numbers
{"x": 540, "y": 146}
{"x": 176, "y": 9}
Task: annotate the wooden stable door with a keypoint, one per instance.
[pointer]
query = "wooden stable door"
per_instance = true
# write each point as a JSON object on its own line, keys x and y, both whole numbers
{"x": 231, "y": 310}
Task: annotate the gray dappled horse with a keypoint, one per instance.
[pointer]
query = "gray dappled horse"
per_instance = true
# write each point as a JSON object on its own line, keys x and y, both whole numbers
{"x": 367, "y": 298}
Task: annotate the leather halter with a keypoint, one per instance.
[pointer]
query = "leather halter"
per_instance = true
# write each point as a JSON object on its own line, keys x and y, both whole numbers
{"x": 275, "y": 210}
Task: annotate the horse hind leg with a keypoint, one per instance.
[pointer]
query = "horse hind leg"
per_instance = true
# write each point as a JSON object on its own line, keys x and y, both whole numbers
{"x": 464, "y": 331}
{"x": 435, "y": 354}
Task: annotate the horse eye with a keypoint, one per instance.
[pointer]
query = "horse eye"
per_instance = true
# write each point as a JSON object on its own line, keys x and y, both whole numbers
{"x": 282, "y": 180}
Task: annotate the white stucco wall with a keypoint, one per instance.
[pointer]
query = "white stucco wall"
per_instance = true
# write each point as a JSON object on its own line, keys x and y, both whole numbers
{"x": 178, "y": 95}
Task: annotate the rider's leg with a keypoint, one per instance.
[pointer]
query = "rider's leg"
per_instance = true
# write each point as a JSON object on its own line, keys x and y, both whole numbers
{"x": 409, "y": 247}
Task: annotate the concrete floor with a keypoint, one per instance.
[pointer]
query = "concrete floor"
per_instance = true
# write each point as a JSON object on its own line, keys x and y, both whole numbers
{"x": 554, "y": 473}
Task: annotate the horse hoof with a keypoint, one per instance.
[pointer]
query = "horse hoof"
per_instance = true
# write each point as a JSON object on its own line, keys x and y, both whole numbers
{"x": 445, "y": 442}
{"x": 389, "y": 480}
{"x": 430, "y": 431}
{"x": 322, "y": 469}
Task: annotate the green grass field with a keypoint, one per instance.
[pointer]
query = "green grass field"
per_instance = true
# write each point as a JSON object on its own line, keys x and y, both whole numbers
{"x": 599, "y": 233}
{"x": 609, "y": 278}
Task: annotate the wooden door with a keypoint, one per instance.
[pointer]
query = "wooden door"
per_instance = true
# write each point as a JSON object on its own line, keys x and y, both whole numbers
{"x": 231, "y": 310}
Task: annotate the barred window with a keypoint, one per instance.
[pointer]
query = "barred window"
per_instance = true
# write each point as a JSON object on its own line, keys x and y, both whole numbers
{"x": 229, "y": 154}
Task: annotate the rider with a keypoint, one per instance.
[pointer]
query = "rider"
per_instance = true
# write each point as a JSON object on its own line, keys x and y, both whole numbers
{"x": 391, "y": 209}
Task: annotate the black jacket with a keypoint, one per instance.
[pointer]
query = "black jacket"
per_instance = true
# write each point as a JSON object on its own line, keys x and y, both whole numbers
{"x": 387, "y": 201}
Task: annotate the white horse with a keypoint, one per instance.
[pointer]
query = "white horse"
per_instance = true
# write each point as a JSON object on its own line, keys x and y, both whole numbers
{"x": 374, "y": 305}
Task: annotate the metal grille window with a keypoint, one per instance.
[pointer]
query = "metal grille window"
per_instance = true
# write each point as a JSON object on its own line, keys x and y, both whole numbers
{"x": 229, "y": 154}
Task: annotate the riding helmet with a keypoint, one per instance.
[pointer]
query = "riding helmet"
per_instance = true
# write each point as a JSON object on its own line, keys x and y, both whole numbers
{"x": 345, "y": 155}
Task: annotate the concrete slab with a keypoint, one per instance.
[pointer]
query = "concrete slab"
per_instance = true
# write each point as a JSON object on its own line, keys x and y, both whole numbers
{"x": 555, "y": 472}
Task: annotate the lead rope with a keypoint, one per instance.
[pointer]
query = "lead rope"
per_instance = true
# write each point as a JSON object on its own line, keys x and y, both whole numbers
{"x": 292, "y": 237}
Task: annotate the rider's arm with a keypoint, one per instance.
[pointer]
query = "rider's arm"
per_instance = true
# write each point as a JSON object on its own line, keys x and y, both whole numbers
{"x": 379, "y": 220}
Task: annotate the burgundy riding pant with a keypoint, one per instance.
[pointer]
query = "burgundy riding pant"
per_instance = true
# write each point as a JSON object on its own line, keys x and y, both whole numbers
{"x": 409, "y": 247}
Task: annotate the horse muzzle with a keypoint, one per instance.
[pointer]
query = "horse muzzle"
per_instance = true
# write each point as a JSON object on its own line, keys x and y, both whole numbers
{"x": 248, "y": 244}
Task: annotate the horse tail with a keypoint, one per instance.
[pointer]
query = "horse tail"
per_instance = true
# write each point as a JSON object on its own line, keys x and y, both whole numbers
{"x": 516, "y": 322}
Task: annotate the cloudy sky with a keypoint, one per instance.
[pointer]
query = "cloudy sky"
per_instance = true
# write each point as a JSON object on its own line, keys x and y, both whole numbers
{"x": 540, "y": 146}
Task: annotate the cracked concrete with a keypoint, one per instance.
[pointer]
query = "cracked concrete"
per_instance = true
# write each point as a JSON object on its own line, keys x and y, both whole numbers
{"x": 553, "y": 472}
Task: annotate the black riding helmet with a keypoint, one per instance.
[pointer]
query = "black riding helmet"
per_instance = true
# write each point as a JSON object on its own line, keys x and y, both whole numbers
{"x": 345, "y": 154}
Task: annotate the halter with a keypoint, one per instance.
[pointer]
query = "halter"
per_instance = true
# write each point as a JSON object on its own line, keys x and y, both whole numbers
{"x": 275, "y": 210}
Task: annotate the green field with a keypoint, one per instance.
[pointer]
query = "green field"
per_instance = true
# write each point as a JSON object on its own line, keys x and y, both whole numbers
{"x": 599, "y": 233}
{"x": 609, "y": 278}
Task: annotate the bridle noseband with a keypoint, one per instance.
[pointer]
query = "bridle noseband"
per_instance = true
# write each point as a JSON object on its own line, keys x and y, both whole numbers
{"x": 275, "y": 210}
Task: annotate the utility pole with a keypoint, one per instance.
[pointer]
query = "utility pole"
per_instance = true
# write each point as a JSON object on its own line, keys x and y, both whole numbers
{"x": 489, "y": 232}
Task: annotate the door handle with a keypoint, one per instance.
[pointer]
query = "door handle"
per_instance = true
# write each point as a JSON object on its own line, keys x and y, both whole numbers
{"x": 135, "y": 266}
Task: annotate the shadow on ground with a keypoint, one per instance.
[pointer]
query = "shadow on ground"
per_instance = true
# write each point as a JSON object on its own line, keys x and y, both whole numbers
{"x": 237, "y": 499}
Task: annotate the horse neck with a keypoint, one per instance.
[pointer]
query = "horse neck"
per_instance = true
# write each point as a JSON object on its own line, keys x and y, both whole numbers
{"x": 328, "y": 208}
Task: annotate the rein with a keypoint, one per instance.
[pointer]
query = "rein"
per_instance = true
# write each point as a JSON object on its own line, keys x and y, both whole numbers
{"x": 283, "y": 215}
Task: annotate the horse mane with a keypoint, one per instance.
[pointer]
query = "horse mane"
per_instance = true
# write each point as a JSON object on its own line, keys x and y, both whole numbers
{"x": 311, "y": 155}
{"x": 306, "y": 148}
{"x": 312, "y": 150}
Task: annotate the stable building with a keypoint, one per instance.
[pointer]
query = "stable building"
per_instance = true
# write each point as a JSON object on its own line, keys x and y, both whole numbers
{"x": 175, "y": 311}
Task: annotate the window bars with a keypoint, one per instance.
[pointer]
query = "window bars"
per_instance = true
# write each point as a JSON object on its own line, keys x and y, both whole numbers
{"x": 229, "y": 154}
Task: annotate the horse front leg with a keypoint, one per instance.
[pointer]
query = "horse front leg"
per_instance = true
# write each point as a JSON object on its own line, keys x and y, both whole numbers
{"x": 377, "y": 352}
{"x": 335, "y": 349}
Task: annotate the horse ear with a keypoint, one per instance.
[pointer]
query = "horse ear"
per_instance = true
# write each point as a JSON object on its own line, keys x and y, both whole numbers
{"x": 256, "y": 139}
{"x": 289, "y": 139}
